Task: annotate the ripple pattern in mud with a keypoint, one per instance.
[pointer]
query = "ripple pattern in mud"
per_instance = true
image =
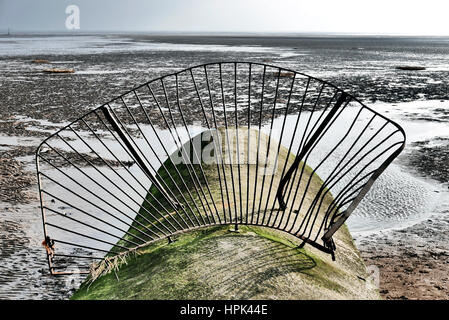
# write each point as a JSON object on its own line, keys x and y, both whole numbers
{"x": 396, "y": 199}
{"x": 24, "y": 274}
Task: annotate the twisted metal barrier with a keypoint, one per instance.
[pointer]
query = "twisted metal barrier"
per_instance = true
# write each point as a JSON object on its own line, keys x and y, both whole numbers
{"x": 216, "y": 144}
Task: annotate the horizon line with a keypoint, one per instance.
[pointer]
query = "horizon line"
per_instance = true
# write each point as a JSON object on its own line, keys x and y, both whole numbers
{"x": 11, "y": 32}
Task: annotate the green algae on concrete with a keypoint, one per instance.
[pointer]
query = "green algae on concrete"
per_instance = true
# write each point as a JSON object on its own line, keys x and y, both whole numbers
{"x": 214, "y": 263}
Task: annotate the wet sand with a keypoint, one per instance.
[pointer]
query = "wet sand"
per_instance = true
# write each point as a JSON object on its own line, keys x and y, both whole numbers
{"x": 413, "y": 262}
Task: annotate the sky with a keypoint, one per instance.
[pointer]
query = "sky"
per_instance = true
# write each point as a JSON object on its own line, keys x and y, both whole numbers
{"x": 404, "y": 17}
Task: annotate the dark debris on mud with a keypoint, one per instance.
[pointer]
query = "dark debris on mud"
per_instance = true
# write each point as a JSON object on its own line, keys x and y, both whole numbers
{"x": 64, "y": 97}
{"x": 15, "y": 182}
{"x": 430, "y": 160}
{"x": 58, "y": 158}
{"x": 11, "y": 126}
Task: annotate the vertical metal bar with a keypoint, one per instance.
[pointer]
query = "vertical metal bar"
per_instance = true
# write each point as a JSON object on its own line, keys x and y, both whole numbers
{"x": 258, "y": 145}
{"x": 227, "y": 139}
{"x": 188, "y": 164}
{"x": 128, "y": 144}
{"x": 162, "y": 164}
{"x": 213, "y": 140}
{"x": 306, "y": 148}
{"x": 237, "y": 143}
{"x": 304, "y": 166}
{"x": 168, "y": 155}
{"x": 249, "y": 143}
{"x": 220, "y": 151}
{"x": 268, "y": 149}
{"x": 298, "y": 118}
{"x": 198, "y": 158}
{"x": 44, "y": 219}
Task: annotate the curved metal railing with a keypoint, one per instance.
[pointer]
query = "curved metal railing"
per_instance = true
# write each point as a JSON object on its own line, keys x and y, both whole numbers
{"x": 215, "y": 144}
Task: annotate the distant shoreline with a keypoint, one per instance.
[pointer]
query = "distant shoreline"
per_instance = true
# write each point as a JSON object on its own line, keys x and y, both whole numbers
{"x": 220, "y": 34}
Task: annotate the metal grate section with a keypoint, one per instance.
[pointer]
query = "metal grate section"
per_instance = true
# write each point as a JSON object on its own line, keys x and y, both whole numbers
{"x": 225, "y": 143}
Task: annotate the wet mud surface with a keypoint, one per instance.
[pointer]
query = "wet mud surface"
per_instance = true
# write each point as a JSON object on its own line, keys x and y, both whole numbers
{"x": 413, "y": 261}
{"x": 431, "y": 160}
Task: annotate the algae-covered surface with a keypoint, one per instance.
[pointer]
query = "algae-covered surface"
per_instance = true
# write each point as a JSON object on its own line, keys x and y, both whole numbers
{"x": 213, "y": 262}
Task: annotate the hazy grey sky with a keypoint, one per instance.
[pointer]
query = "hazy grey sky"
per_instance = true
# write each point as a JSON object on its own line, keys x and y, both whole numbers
{"x": 429, "y": 17}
